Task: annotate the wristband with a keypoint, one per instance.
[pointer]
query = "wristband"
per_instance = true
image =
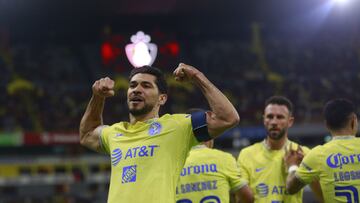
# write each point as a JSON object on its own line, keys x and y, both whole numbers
{"x": 292, "y": 168}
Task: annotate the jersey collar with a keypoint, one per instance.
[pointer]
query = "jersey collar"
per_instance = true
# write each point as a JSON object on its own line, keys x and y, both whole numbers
{"x": 268, "y": 147}
{"x": 199, "y": 146}
{"x": 343, "y": 137}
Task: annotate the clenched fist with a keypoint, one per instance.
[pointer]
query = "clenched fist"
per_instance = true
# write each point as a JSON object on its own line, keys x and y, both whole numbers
{"x": 185, "y": 72}
{"x": 104, "y": 87}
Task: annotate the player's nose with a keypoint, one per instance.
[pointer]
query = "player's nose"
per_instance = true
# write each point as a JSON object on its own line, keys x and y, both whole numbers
{"x": 137, "y": 89}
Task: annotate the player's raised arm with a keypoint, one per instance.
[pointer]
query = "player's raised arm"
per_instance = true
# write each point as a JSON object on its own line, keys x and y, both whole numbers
{"x": 91, "y": 122}
{"x": 223, "y": 114}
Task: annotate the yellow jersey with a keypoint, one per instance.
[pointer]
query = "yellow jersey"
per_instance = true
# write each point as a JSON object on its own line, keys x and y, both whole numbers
{"x": 209, "y": 175}
{"x": 265, "y": 173}
{"x": 147, "y": 157}
{"x": 336, "y": 165}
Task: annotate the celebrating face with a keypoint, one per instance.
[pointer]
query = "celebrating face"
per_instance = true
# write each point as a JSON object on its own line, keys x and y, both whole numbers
{"x": 143, "y": 94}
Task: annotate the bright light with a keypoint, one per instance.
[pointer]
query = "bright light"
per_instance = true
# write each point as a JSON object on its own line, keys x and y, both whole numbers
{"x": 341, "y": 1}
{"x": 141, "y": 52}
{"x": 141, "y": 55}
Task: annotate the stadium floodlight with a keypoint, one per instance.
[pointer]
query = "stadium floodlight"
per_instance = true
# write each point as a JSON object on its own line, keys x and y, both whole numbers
{"x": 141, "y": 52}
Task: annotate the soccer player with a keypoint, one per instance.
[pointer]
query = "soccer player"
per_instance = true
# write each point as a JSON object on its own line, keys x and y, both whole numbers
{"x": 337, "y": 163}
{"x": 148, "y": 153}
{"x": 210, "y": 175}
{"x": 262, "y": 164}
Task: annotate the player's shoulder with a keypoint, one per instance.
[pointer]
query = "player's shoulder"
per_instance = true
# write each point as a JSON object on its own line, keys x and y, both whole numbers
{"x": 356, "y": 141}
{"x": 318, "y": 148}
{"x": 254, "y": 148}
{"x": 316, "y": 151}
{"x": 117, "y": 126}
{"x": 174, "y": 117}
{"x": 221, "y": 153}
{"x": 219, "y": 157}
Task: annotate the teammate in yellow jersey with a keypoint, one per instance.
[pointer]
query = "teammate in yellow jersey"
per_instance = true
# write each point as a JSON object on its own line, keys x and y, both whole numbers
{"x": 210, "y": 175}
{"x": 262, "y": 164}
{"x": 148, "y": 153}
{"x": 337, "y": 163}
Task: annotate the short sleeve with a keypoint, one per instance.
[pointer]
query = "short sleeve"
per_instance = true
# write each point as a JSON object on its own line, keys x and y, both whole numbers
{"x": 309, "y": 167}
{"x": 185, "y": 127}
{"x": 241, "y": 162}
{"x": 233, "y": 174}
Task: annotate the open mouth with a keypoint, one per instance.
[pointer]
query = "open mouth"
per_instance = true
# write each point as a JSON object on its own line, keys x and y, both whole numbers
{"x": 136, "y": 99}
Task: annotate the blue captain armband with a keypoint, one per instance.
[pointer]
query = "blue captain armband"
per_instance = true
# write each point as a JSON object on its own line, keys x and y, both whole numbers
{"x": 199, "y": 125}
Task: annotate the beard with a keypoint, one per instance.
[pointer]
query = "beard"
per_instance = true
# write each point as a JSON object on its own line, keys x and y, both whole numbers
{"x": 141, "y": 111}
{"x": 276, "y": 135}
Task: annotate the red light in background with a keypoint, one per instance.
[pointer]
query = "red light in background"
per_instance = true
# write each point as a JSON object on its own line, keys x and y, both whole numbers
{"x": 109, "y": 52}
{"x": 174, "y": 48}
{"x": 171, "y": 48}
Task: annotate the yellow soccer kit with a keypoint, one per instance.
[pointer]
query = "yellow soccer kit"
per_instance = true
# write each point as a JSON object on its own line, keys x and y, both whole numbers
{"x": 265, "y": 173}
{"x": 337, "y": 165}
{"x": 147, "y": 157}
{"x": 209, "y": 175}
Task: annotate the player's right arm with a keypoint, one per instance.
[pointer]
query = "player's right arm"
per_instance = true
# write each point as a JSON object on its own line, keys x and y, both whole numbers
{"x": 306, "y": 173}
{"x": 316, "y": 188}
{"x": 92, "y": 123}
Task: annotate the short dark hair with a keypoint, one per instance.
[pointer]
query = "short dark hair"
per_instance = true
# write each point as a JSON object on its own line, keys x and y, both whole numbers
{"x": 337, "y": 113}
{"x": 160, "y": 78}
{"x": 280, "y": 100}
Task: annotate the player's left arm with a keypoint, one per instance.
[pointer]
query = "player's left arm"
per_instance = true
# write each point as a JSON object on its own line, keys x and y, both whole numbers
{"x": 316, "y": 188}
{"x": 293, "y": 183}
{"x": 223, "y": 114}
{"x": 239, "y": 186}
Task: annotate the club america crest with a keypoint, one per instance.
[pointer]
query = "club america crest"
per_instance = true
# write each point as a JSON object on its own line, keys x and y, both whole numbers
{"x": 155, "y": 128}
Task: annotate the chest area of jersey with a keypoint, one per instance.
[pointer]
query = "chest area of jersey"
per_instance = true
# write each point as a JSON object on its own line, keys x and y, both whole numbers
{"x": 268, "y": 175}
{"x": 152, "y": 142}
{"x": 267, "y": 166}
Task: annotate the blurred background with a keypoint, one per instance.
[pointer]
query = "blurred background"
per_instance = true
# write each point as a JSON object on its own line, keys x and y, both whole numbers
{"x": 51, "y": 52}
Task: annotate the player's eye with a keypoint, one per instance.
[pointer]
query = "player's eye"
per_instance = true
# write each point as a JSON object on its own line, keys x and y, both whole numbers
{"x": 147, "y": 85}
{"x": 133, "y": 85}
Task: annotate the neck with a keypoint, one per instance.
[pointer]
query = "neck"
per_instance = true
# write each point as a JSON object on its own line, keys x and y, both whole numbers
{"x": 276, "y": 144}
{"x": 142, "y": 118}
{"x": 343, "y": 132}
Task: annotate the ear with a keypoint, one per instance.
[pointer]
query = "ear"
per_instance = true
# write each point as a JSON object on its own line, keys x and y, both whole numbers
{"x": 326, "y": 125}
{"x": 162, "y": 99}
{"x": 291, "y": 121}
{"x": 353, "y": 121}
{"x": 263, "y": 117}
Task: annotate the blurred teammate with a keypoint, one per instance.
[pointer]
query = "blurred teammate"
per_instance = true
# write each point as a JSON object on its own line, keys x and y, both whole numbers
{"x": 337, "y": 163}
{"x": 210, "y": 175}
{"x": 148, "y": 153}
{"x": 262, "y": 164}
